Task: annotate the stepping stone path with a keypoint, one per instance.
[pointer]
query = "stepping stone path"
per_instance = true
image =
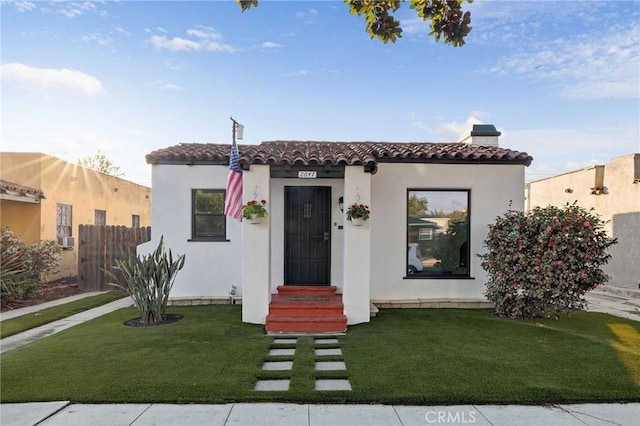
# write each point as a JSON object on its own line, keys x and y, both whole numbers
{"x": 320, "y": 352}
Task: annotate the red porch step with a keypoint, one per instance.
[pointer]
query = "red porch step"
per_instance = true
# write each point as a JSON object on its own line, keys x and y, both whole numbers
{"x": 306, "y": 310}
{"x": 307, "y": 290}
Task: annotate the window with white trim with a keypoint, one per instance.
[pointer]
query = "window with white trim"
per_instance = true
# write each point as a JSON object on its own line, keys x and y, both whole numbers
{"x": 425, "y": 234}
{"x": 64, "y": 224}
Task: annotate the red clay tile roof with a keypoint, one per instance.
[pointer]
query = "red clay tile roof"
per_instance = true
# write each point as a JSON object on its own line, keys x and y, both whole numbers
{"x": 337, "y": 153}
{"x": 14, "y": 187}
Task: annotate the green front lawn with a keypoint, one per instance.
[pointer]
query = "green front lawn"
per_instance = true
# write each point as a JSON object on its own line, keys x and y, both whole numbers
{"x": 28, "y": 321}
{"x": 405, "y": 356}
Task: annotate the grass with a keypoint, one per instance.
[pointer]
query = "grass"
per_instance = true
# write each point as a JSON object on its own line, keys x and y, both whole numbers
{"x": 406, "y": 356}
{"x": 28, "y": 321}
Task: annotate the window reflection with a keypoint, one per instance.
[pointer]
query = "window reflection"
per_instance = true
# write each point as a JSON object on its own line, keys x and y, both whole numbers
{"x": 437, "y": 233}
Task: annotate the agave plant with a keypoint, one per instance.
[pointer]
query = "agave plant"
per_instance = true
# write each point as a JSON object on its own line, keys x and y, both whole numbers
{"x": 148, "y": 280}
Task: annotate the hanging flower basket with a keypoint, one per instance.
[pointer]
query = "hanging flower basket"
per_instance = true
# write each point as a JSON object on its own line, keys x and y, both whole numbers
{"x": 358, "y": 213}
{"x": 254, "y": 219}
{"x": 254, "y": 211}
{"x": 358, "y": 221}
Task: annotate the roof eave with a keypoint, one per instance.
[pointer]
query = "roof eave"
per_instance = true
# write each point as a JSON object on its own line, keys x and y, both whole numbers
{"x": 522, "y": 161}
{"x": 186, "y": 162}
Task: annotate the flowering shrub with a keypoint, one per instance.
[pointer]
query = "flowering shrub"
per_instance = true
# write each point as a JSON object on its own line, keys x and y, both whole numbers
{"x": 24, "y": 266}
{"x": 542, "y": 262}
{"x": 254, "y": 208}
{"x": 356, "y": 211}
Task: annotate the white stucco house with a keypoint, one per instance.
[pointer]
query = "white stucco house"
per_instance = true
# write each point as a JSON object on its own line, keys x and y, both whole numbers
{"x": 306, "y": 240}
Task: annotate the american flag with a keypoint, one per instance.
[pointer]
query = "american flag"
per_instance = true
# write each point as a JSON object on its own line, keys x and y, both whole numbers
{"x": 233, "y": 199}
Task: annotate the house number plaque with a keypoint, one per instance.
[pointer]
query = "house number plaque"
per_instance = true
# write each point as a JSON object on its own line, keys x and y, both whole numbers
{"x": 307, "y": 174}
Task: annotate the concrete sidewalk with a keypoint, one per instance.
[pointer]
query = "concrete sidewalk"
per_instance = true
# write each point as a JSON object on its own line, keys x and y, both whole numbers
{"x": 265, "y": 414}
{"x": 624, "y": 303}
{"x": 26, "y": 337}
{"x": 35, "y": 308}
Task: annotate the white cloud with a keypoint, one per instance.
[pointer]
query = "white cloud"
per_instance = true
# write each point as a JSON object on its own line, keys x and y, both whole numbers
{"x": 105, "y": 39}
{"x": 172, "y": 65}
{"x": 206, "y": 39}
{"x": 414, "y": 26}
{"x": 204, "y": 32}
{"x": 118, "y": 29}
{"x": 155, "y": 30}
{"x": 520, "y": 23}
{"x": 174, "y": 44}
{"x": 447, "y": 131}
{"x": 162, "y": 85}
{"x": 606, "y": 67}
{"x": 298, "y": 73}
{"x": 451, "y": 131}
{"x": 71, "y": 147}
{"x": 418, "y": 123}
{"x": 50, "y": 78}
{"x": 308, "y": 15}
{"x": 100, "y": 39}
{"x": 75, "y": 9}
{"x": 24, "y": 6}
{"x": 270, "y": 45}
{"x": 597, "y": 55}
{"x": 559, "y": 150}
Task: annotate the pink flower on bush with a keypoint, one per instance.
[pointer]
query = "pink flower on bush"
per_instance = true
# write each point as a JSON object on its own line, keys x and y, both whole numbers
{"x": 586, "y": 224}
{"x": 549, "y": 229}
{"x": 552, "y": 243}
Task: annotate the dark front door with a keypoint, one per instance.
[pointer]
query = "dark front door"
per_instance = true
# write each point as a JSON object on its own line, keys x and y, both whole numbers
{"x": 307, "y": 235}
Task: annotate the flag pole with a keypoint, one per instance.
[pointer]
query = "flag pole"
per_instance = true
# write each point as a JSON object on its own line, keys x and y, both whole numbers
{"x": 236, "y": 130}
{"x": 234, "y": 123}
{"x": 233, "y": 194}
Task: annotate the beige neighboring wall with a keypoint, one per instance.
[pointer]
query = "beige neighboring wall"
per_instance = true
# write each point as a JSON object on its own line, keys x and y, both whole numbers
{"x": 618, "y": 201}
{"x": 83, "y": 189}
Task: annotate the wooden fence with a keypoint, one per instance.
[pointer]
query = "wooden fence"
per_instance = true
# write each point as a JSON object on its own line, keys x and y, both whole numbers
{"x": 98, "y": 249}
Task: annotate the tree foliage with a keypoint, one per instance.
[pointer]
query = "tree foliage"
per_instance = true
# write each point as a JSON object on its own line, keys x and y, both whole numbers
{"x": 417, "y": 206}
{"x": 209, "y": 202}
{"x": 543, "y": 261}
{"x": 100, "y": 163}
{"x": 450, "y": 246}
{"x": 456, "y": 217}
{"x": 447, "y": 19}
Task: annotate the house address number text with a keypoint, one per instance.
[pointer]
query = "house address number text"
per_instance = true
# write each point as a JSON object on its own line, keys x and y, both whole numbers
{"x": 307, "y": 174}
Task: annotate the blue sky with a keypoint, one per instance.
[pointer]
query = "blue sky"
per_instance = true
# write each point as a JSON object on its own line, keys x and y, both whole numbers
{"x": 561, "y": 79}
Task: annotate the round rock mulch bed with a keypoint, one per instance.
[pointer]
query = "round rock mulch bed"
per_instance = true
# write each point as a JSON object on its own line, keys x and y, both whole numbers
{"x": 166, "y": 319}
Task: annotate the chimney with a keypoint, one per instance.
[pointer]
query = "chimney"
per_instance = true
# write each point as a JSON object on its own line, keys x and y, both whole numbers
{"x": 598, "y": 187}
{"x": 481, "y": 134}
